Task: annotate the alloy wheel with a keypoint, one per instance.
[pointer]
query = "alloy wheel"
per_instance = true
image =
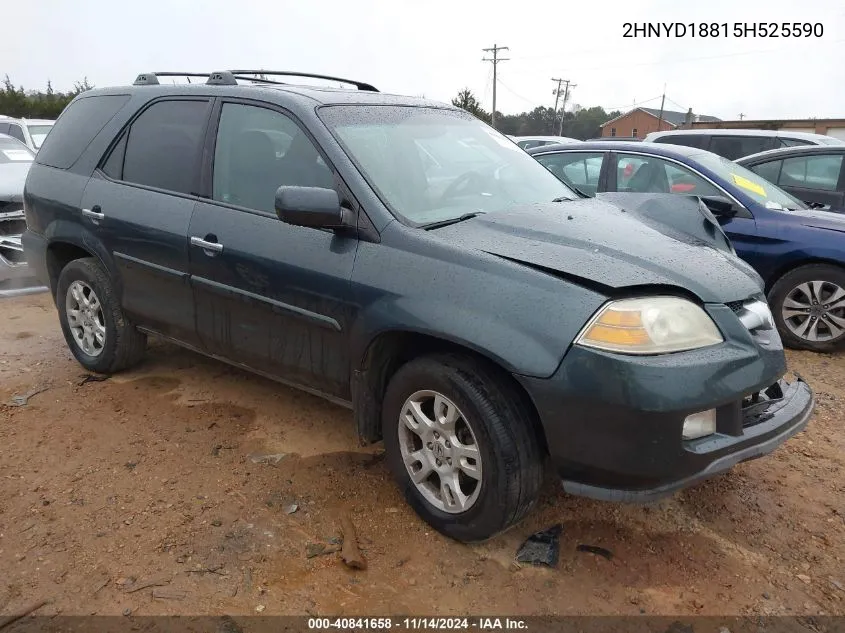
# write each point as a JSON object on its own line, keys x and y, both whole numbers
{"x": 85, "y": 318}
{"x": 440, "y": 451}
{"x": 815, "y": 311}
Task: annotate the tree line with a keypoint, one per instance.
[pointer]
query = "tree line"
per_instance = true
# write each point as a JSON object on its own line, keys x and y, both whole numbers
{"x": 17, "y": 102}
{"x": 541, "y": 121}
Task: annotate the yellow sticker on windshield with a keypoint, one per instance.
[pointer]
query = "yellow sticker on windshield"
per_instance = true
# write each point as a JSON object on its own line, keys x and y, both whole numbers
{"x": 748, "y": 184}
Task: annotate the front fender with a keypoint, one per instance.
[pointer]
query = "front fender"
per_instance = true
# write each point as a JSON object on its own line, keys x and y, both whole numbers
{"x": 515, "y": 350}
{"x": 522, "y": 318}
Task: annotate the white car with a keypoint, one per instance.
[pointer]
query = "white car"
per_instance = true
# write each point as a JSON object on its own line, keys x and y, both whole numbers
{"x": 733, "y": 144}
{"x": 527, "y": 142}
{"x": 30, "y": 132}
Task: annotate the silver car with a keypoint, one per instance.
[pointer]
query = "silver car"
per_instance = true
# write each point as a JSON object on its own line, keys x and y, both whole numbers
{"x": 15, "y": 161}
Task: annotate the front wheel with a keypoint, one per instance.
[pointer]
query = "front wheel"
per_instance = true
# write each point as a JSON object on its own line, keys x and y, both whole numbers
{"x": 808, "y": 304}
{"x": 462, "y": 445}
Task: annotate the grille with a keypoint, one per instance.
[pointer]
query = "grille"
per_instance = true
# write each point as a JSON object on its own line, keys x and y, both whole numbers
{"x": 736, "y": 306}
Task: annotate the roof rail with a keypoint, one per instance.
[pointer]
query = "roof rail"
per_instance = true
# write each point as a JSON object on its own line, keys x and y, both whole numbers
{"x": 358, "y": 84}
{"x": 230, "y": 78}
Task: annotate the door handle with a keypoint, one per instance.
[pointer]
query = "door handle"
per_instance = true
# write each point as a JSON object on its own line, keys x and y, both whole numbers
{"x": 94, "y": 213}
{"x": 215, "y": 247}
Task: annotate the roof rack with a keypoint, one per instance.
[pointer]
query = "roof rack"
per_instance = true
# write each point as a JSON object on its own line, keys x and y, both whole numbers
{"x": 230, "y": 78}
{"x": 284, "y": 73}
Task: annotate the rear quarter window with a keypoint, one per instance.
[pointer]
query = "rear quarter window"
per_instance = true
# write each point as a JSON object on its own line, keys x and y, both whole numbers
{"x": 733, "y": 147}
{"x": 689, "y": 140}
{"x": 77, "y": 126}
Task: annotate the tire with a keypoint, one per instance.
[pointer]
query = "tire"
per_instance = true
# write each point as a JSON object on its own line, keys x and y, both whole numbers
{"x": 799, "y": 287}
{"x": 502, "y": 427}
{"x": 122, "y": 345}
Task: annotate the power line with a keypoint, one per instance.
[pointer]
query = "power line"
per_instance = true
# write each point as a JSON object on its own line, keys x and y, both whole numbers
{"x": 495, "y": 60}
{"x": 632, "y": 105}
{"x": 486, "y": 86}
{"x": 518, "y": 96}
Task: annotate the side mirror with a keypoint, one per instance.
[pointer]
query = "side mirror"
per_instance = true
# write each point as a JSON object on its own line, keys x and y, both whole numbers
{"x": 719, "y": 206}
{"x": 316, "y": 207}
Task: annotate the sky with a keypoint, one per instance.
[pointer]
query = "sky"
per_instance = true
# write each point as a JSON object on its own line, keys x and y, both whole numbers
{"x": 434, "y": 48}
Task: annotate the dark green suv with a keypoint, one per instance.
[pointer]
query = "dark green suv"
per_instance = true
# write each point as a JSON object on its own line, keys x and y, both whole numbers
{"x": 401, "y": 257}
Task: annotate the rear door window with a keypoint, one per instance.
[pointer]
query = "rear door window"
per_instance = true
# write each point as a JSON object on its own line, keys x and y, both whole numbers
{"x": 77, "y": 126}
{"x": 162, "y": 146}
{"x": 811, "y": 172}
{"x": 650, "y": 174}
{"x": 733, "y": 147}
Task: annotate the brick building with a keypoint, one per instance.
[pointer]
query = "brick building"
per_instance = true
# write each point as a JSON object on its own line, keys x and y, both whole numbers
{"x": 830, "y": 127}
{"x": 641, "y": 121}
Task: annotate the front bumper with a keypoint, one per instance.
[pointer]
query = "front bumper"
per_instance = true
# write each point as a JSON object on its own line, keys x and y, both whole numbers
{"x": 779, "y": 420}
{"x": 613, "y": 424}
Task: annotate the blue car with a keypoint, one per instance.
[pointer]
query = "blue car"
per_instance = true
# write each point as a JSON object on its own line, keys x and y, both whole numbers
{"x": 798, "y": 251}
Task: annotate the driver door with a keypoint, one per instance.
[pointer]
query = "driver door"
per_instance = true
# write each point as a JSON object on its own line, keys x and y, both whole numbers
{"x": 269, "y": 295}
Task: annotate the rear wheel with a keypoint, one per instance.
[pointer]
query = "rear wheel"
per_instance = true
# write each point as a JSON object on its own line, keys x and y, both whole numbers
{"x": 808, "y": 304}
{"x": 98, "y": 333}
{"x": 462, "y": 445}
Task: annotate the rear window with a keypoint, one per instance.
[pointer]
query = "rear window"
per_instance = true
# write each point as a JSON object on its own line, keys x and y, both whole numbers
{"x": 77, "y": 126}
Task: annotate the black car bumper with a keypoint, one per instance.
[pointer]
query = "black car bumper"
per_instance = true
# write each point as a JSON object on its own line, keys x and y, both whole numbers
{"x": 613, "y": 424}
{"x": 780, "y": 419}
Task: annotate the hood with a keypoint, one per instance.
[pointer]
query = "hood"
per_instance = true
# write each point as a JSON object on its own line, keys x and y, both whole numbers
{"x": 607, "y": 246}
{"x": 12, "y": 179}
{"x": 820, "y": 219}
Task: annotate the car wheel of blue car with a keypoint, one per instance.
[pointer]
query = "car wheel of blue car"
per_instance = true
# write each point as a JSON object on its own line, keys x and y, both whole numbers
{"x": 808, "y": 304}
{"x": 463, "y": 445}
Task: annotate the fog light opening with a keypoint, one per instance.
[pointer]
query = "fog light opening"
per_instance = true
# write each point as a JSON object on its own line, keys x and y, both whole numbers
{"x": 699, "y": 424}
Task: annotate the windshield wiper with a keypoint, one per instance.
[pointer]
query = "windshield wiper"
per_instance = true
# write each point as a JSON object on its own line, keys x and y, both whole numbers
{"x": 563, "y": 199}
{"x": 440, "y": 223}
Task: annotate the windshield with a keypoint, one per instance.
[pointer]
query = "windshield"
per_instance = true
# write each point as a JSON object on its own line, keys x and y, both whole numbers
{"x": 431, "y": 165}
{"x": 38, "y": 133}
{"x": 13, "y": 152}
{"x": 752, "y": 185}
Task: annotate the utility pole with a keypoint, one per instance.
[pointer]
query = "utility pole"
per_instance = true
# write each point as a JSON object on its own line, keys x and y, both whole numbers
{"x": 495, "y": 59}
{"x": 563, "y": 107}
{"x": 741, "y": 115}
{"x": 662, "y": 101}
{"x": 557, "y": 96}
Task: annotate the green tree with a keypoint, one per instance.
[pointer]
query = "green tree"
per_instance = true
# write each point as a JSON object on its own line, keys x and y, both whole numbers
{"x": 36, "y": 104}
{"x": 586, "y": 123}
{"x": 467, "y": 101}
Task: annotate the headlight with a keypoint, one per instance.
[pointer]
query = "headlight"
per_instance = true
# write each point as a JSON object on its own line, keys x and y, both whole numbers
{"x": 653, "y": 325}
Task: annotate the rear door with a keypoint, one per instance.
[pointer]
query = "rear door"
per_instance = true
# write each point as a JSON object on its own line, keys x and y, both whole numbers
{"x": 140, "y": 202}
{"x": 270, "y": 295}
